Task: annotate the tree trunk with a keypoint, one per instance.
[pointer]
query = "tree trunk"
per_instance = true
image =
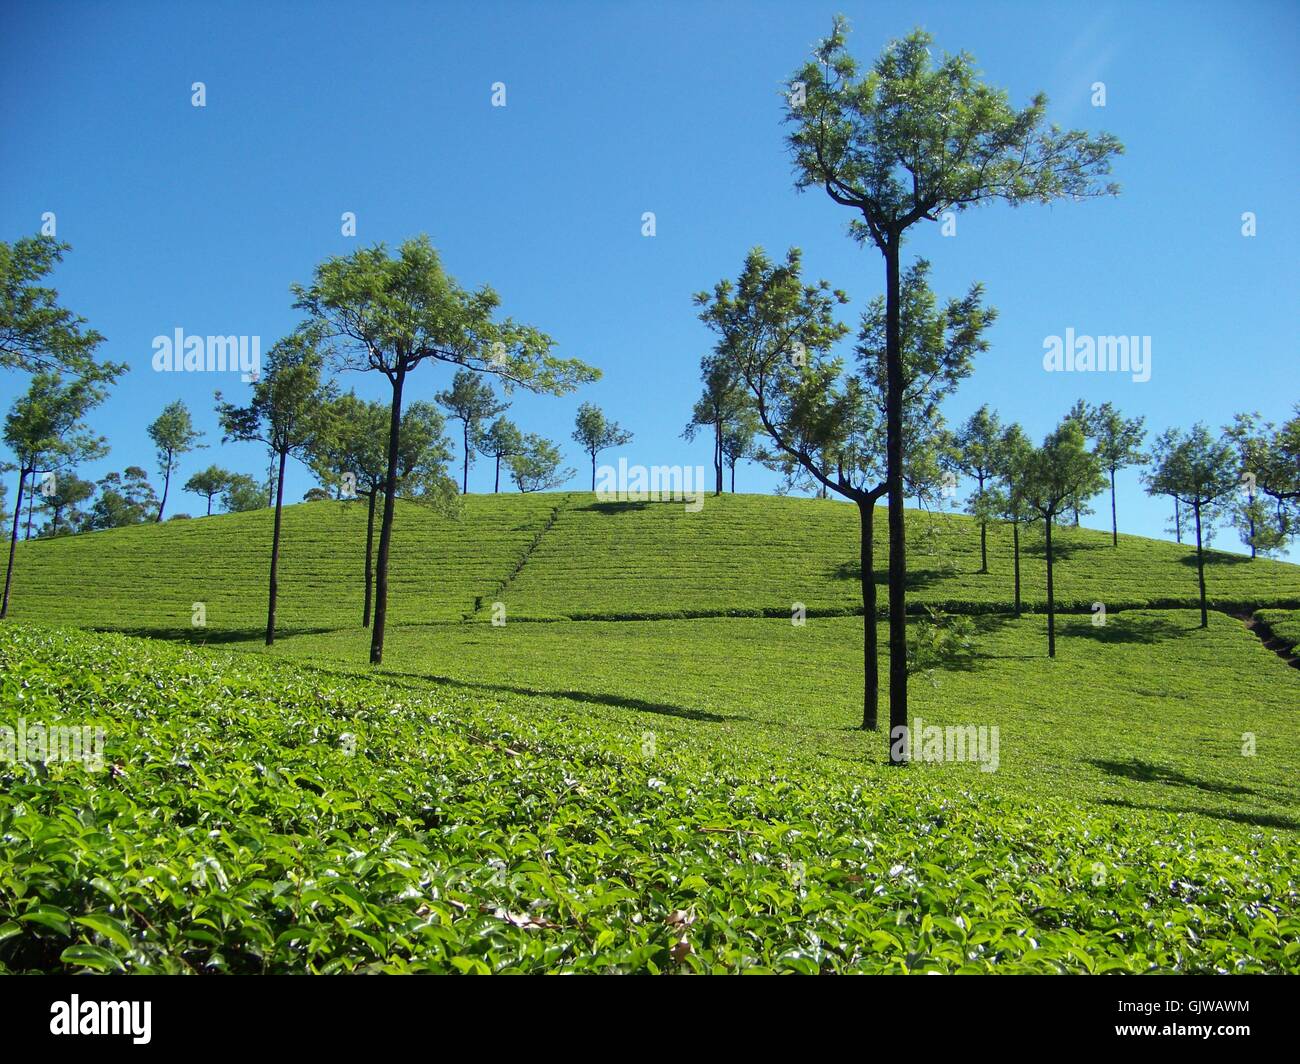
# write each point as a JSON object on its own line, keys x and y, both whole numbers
{"x": 275, "y": 552}
{"x": 370, "y": 573}
{"x": 496, "y": 486}
{"x": 717, "y": 456}
{"x": 1114, "y": 524}
{"x": 1015, "y": 546}
{"x": 984, "y": 535}
{"x": 897, "y": 530}
{"x": 593, "y": 470}
{"x": 870, "y": 653}
{"x": 31, "y": 507}
{"x": 386, "y": 525}
{"x": 167, "y": 483}
{"x": 13, "y": 544}
{"x": 209, "y": 505}
{"x": 1051, "y": 599}
{"x": 464, "y": 490}
{"x": 1200, "y": 566}
{"x": 733, "y": 478}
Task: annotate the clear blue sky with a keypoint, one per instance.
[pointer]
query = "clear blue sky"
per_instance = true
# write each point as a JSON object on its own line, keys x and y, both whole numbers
{"x": 200, "y": 219}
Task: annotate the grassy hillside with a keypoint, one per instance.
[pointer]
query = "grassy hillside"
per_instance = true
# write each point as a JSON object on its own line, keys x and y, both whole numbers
{"x": 1147, "y": 712}
{"x": 254, "y": 816}
{"x": 147, "y": 577}
{"x": 740, "y": 554}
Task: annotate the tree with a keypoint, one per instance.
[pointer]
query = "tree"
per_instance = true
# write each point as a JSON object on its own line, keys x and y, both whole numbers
{"x": 1057, "y": 477}
{"x": 1119, "y": 445}
{"x": 284, "y": 414}
{"x": 721, "y": 402}
{"x": 1197, "y": 469}
{"x": 470, "y": 401}
{"x": 242, "y": 494}
{"x": 1269, "y": 470}
{"x": 826, "y": 424}
{"x": 353, "y": 443}
{"x": 209, "y": 483}
{"x": 910, "y": 141}
{"x": 390, "y": 315}
{"x": 537, "y": 466}
{"x": 173, "y": 433}
{"x": 975, "y": 453}
{"x": 595, "y": 433}
{"x": 46, "y": 425}
{"x": 37, "y": 334}
{"x": 1007, "y": 499}
{"x": 62, "y": 503}
{"x": 502, "y": 440}
{"x": 125, "y": 498}
{"x": 738, "y": 439}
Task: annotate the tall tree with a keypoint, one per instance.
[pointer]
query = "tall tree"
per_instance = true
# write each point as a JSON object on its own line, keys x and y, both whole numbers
{"x": 470, "y": 401}
{"x": 390, "y": 314}
{"x": 909, "y": 141}
{"x": 1006, "y": 498}
{"x": 537, "y": 466}
{"x": 46, "y": 424}
{"x": 1055, "y": 478}
{"x": 125, "y": 498}
{"x": 354, "y": 442}
{"x": 284, "y": 413}
{"x": 1198, "y": 469}
{"x": 209, "y": 483}
{"x": 502, "y": 440}
{"x": 63, "y": 502}
{"x": 976, "y": 454}
{"x": 594, "y": 432}
{"x": 722, "y": 400}
{"x": 738, "y": 439}
{"x": 173, "y": 434}
{"x": 824, "y": 423}
{"x": 1118, "y": 443}
{"x": 37, "y": 333}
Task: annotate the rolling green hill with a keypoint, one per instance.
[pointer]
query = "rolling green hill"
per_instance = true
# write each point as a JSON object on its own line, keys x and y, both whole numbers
{"x": 666, "y": 775}
{"x": 562, "y": 555}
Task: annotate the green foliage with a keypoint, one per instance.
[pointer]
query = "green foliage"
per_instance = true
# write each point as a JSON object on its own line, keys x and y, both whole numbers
{"x": 259, "y": 818}
{"x": 125, "y": 498}
{"x": 37, "y": 334}
{"x": 537, "y": 466}
{"x": 209, "y": 483}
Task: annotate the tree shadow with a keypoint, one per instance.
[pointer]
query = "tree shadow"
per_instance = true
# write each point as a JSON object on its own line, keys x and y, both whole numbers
{"x": 1145, "y": 772}
{"x": 1061, "y": 551}
{"x": 217, "y": 637}
{"x": 1119, "y": 630}
{"x": 917, "y": 579}
{"x": 1258, "y": 820}
{"x": 613, "y": 507}
{"x": 1215, "y": 557}
{"x": 618, "y": 701}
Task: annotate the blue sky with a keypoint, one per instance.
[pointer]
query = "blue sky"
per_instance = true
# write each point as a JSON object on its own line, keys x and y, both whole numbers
{"x": 200, "y": 218}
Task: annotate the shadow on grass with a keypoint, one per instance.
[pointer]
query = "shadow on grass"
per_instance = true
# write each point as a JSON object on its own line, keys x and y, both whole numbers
{"x": 1145, "y": 772}
{"x": 1061, "y": 551}
{"x": 613, "y": 507}
{"x": 1119, "y": 630}
{"x": 917, "y": 579}
{"x": 1215, "y": 557}
{"x": 1258, "y": 820}
{"x": 618, "y": 701}
{"x": 217, "y": 637}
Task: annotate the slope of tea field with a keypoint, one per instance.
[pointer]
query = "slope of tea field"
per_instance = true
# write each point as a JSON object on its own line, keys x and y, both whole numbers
{"x": 261, "y": 817}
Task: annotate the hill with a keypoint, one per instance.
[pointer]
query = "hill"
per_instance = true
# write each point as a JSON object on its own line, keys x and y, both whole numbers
{"x": 567, "y": 556}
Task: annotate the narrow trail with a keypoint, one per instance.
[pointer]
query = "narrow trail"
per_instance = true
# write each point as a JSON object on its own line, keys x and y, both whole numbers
{"x": 503, "y": 586}
{"x": 1270, "y": 639}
